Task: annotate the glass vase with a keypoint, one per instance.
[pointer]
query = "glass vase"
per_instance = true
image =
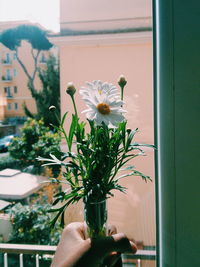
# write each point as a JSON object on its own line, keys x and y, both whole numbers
{"x": 95, "y": 215}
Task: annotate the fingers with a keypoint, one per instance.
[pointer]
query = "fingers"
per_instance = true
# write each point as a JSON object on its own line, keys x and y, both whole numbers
{"x": 100, "y": 249}
{"x": 111, "y": 229}
{"x": 117, "y": 242}
{"x": 75, "y": 229}
{"x": 121, "y": 243}
{"x": 114, "y": 242}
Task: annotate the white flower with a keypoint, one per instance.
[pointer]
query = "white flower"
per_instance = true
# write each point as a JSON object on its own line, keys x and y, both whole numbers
{"x": 104, "y": 103}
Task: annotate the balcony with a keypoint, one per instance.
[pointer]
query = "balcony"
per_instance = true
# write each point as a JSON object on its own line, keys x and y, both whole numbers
{"x": 6, "y": 62}
{"x": 37, "y": 251}
{"x": 9, "y": 96}
{"x": 6, "y": 79}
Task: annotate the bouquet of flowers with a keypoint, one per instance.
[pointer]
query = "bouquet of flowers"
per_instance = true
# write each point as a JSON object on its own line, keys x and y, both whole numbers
{"x": 93, "y": 169}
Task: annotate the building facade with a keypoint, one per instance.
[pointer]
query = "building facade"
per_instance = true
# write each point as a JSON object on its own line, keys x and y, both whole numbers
{"x": 13, "y": 80}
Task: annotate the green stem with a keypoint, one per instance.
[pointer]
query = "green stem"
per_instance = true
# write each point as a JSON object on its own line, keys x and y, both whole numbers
{"x": 122, "y": 93}
{"x": 74, "y": 104}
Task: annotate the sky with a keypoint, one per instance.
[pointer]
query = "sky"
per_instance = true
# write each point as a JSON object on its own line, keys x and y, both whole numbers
{"x": 45, "y": 12}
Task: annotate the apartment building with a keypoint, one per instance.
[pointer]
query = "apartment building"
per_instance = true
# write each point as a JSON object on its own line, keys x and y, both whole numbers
{"x": 100, "y": 40}
{"x": 13, "y": 81}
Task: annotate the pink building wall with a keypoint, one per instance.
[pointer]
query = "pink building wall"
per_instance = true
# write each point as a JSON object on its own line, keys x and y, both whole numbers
{"x": 95, "y": 14}
{"x": 105, "y": 57}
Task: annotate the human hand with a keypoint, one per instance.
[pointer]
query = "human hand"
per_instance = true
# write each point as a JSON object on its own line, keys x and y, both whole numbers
{"x": 76, "y": 251}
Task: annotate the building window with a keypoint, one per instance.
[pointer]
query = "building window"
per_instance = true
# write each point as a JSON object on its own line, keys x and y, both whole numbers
{"x": 16, "y": 106}
{"x": 7, "y": 58}
{"x": 15, "y": 89}
{"x": 7, "y": 90}
{"x": 14, "y": 56}
{"x": 14, "y": 72}
{"x": 9, "y": 106}
{"x": 8, "y": 76}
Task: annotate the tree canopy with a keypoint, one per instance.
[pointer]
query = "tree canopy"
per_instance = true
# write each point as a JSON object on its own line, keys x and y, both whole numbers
{"x": 49, "y": 95}
{"x": 12, "y": 38}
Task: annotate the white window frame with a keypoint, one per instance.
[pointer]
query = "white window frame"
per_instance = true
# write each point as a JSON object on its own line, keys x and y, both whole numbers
{"x": 177, "y": 128}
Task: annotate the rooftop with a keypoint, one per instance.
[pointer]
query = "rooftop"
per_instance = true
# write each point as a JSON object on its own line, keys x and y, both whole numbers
{"x": 17, "y": 185}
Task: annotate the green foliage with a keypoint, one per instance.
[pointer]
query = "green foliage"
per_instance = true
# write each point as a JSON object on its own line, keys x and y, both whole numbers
{"x": 31, "y": 225}
{"x": 91, "y": 171}
{"x": 12, "y": 38}
{"x": 36, "y": 139}
{"x": 49, "y": 95}
{"x": 9, "y": 162}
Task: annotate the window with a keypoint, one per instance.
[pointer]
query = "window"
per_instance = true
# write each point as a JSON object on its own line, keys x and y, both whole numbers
{"x": 15, "y": 89}
{"x": 14, "y": 72}
{"x": 16, "y": 106}
{"x": 9, "y": 106}
{"x": 8, "y": 76}
{"x": 14, "y": 56}
{"x": 7, "y": 57}
{"x": 7, "y": 90}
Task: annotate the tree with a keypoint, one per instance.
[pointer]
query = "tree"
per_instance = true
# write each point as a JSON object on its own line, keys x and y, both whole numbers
{"x": 35, "y": 140}
{"x": 12, "y": 39}
{"x": 49, "y": 95}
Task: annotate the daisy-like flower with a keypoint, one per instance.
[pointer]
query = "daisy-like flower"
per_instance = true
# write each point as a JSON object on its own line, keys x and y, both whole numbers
{"x": 104, "y": 103}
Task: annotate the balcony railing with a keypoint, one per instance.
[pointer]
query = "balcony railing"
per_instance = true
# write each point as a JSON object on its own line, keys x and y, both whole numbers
{"x": 38, "y": 250}
{"x": 6, "y": 62}
{"x": 9, "y": 96}
{"x": 6, "y": 78}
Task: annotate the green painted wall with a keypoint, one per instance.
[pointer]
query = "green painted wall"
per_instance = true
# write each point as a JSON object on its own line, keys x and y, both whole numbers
{"x": 177, "y": 122}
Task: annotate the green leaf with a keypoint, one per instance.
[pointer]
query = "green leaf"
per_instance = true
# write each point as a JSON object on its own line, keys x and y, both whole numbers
{"x": 72, "y": 130}
{"x": 143, "y": 145}
{"x": 131, "y": 134}
{"x": 63, "y": 119}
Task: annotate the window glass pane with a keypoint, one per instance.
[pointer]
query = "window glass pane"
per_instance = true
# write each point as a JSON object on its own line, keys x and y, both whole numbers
{"x": 16, "y": 106}
{"x": 7, "y": 57}
{"x": 14, "y": 72}
{"x": 122, "y": 45}
{"x": 14, "y": 56}
{"x": 9, "y": 106}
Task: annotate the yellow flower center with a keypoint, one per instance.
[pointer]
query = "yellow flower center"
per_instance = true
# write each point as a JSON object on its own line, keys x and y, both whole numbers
{"x": 100, "y": 91}
{"x": 103, "y": 108}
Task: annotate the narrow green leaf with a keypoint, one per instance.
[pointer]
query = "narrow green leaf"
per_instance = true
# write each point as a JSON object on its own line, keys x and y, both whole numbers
{"x": 63, "y": 119}
{"x": 131, "y": 134}
{"x": 72, "y": 130}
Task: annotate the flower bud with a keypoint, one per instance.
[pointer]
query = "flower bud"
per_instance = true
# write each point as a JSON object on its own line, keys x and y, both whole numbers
{"x": 122, "y": 81}
{"x": 71, "y": 90}
{"x": 52, "y": 107}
